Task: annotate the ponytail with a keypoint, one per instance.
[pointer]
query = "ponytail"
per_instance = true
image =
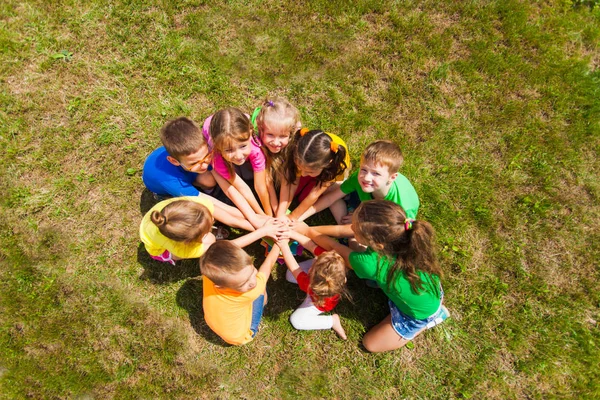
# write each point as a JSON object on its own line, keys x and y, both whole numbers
{"x": 317, "y": 149}
{"x": 409, "y": 244}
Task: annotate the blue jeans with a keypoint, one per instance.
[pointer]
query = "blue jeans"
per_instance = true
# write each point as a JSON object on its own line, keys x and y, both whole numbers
{"x": 257, "y": 311}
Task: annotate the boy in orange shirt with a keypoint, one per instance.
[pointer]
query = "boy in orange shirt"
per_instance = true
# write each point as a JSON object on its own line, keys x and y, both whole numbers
{"x": 234, "y": 292}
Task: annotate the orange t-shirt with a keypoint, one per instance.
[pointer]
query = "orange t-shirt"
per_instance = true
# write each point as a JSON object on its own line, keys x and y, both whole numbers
{"x": 229, "y": 312}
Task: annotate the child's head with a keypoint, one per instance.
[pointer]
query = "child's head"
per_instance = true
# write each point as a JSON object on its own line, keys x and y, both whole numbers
{"x": 276, "y": 122}
{"x": 231, "y": 133}
{"x": 185, "y": 144}
{"x": 228, "y": 266}
{"x": 315, "y": 154}
{"x": 327, "y": 277}
{"x": 183, "y": 221}
{"x": 379, "y": 165}
{"x": 383, "y": 226}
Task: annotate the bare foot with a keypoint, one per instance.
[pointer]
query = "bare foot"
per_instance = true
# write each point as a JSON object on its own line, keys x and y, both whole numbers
{"x": 337, "y": 327}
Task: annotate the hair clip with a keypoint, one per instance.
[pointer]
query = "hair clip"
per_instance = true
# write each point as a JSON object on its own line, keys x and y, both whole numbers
{"x": 303, "y": 131}
{"x": 270, "y": 103}
{"x": 334, "y": 146}
{"x": 408, "y": 224}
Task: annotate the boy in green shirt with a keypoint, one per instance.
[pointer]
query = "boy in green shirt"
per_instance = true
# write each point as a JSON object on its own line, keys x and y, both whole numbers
{"x": 378, "y": 178}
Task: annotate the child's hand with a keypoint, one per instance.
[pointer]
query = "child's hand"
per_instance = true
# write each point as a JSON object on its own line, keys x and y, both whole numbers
{"x": 275, "y": 229}
{"x": 346, "y": 219}
{"x": 283, "y": 243}
{"x": 300, "y": 227}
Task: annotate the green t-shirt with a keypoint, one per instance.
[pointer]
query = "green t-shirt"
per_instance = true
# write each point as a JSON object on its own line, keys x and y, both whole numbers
{"x": 418, "y": 306}
{"x": 401, "y": 192}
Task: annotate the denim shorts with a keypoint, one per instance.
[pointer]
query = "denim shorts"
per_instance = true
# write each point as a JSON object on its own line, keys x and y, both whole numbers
{"x": 257, "y": 310}
{"x": 408, "y": 327}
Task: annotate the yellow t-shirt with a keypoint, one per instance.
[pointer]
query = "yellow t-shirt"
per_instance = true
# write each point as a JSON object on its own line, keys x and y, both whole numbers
{"x": 229, "y": 312}
{"x": 156, "y": 243}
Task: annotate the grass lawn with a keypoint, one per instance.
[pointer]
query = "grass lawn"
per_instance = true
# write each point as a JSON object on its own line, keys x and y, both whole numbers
{"x": 496, "y": 105}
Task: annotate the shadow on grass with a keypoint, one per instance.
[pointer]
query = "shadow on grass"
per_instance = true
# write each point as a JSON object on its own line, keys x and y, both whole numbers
{"x": 163, "y": 272}
{"x": 147, "y": 201}
{"x": 189, "y": 297}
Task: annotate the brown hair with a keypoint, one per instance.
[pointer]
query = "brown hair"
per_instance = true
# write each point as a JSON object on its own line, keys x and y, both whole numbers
{"x": 277, "y": 111}
{"x": 223, "y": 259}
{"x": 327, "y": 277}
{"x": 384, "y": 152}
{"x": 181, "y": 137}
{"x": 313, "y": 149}
{"x": 381, "y": 223}
{"x": 183, "y": 221}
{"x": 227, "y": 126}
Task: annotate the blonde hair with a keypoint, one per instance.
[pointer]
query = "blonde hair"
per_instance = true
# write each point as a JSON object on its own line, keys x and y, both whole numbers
{"x": 223, "y": 259}
{"x": 181, "y": 137}
{"x": 277, "y": 111}
{"x": 384, "y": 152}
{"x": 183, "y": 221}
{"x": 228, "y": 126}
{"x": 327, "y": 277}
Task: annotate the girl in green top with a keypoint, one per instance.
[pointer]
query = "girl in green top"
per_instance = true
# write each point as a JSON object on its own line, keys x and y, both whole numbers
{"x": 401, "y": 258}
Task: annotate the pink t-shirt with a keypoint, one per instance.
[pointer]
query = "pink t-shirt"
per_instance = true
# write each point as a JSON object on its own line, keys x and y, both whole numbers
{"x": 256, "y": 158}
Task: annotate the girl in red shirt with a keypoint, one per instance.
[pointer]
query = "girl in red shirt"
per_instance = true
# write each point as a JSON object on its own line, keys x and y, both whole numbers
{"x": 324, "y": 284}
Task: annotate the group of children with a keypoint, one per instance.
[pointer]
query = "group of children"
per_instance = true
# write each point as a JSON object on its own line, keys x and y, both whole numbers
{"x": 266, "y": 174}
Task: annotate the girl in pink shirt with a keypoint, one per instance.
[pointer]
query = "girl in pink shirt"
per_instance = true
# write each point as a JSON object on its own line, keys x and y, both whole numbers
{"x": 231, "y": 136}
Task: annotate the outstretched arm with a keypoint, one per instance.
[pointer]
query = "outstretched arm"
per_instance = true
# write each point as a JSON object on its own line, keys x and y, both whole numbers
{"x": 269, "y": 262}
{"x": 329, "y": 244}
{"x": 311, "y": 199}
{"x": 290, "y": 261}
{"x": 323, "y": 202}
{"x": 272, "y": 228}
{"x": 286, "y": 194}
{"x": 260, "y": 185}
{"x": 238, "y": 200}
{"x": 246, "y": 192}
{"x": 228, "y": 215}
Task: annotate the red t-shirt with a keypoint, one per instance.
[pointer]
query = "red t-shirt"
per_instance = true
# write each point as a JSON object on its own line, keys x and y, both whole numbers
{"x": 330, "y": 302}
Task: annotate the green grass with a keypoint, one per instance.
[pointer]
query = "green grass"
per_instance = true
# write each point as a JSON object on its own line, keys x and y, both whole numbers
{"x": 496, "y": 105}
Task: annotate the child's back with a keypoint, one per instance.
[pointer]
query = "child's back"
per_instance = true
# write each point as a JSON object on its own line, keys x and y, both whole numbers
{"x": 233, "y": 292}
{"x": 181, "y": 166}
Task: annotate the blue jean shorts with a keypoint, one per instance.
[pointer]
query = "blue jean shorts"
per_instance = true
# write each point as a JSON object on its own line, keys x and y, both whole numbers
{"x": 408, "y": 327}
{"x": 257, "y": 311}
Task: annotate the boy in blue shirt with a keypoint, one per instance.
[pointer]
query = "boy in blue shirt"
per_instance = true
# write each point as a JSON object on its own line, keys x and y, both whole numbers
{"x": 181, "y": 167}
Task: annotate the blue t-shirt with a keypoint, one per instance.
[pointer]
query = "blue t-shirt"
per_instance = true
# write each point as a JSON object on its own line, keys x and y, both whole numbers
{"x": 164, "y": 178}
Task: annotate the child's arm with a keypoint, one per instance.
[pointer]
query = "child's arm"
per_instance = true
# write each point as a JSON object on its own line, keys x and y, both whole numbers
{"x": 269, "y": 262}
{"x": 246, "y": 192}
{"x": 286, "y": 194}
{"x": 228, "y": 215}
{"x": 290, "y": 261}
{"x": 323, "y": 202}
{"x": 273, "y": 196}
{"x": 271, "y": 228}
{"x": 238, "y": 200}
{"x": 329, "y": 244}
{"x": 311, "y": 199}
{"x": 260, "y": 185}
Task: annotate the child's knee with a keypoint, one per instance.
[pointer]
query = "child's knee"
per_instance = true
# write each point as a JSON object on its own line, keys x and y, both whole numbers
{"x": 296, "y": 320}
